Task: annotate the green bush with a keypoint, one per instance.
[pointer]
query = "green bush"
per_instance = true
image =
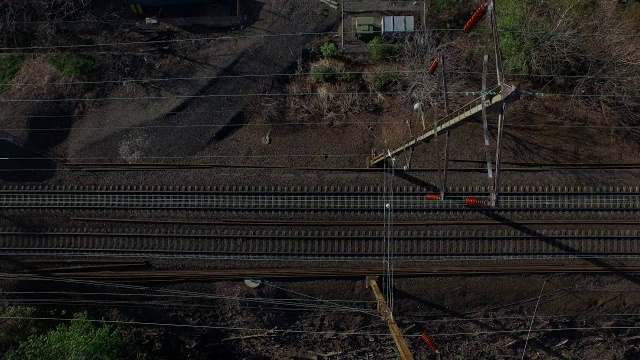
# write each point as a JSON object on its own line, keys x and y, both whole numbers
{"x": 73, "y": 65}
{"x": 329, "y": 49}
{"x": 380, "y": 50}
{"x": 79, "y": 340}
{"x": 9, "y": 66}
{"x": 382, "y": 80}
{"x": 532, "y": 44}
{"x": 14, "y": 330}
{"x": 324, "y": 73}
{"x": 349, "y": 77}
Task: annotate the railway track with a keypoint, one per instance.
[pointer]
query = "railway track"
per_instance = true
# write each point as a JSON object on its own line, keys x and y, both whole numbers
{"x": 338, "y": 272}
{"x": 305, "y": 199}
{"x": 410, "y": 245}
{"x": 479, "y": 167}
{"x": 340, "y": 223}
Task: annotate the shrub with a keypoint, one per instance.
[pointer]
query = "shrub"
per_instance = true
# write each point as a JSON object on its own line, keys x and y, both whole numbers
{"x": 380, "y": 50}
{"x": 9, "y": 66}
{"x": 381, "y": 80}
{"x": 78, "y": 340}
{"x": 329, "y": 49}
{"x": 14, "y": 330}
{"x": 533, "y": 43}
{"x": 73, "y": 65}
{"x": 322, "y": 72}
{"x": 349, "y": 77}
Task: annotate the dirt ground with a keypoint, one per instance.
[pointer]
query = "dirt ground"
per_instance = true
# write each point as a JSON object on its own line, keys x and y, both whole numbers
{"x": 472, "y": 317}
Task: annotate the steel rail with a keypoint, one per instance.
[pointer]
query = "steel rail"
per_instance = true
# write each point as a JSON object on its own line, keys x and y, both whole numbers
{"x": 529, "y": 167}
{"x": 310, "y": 244}
{"x": 235, "y": 222}
{"x": 261, "y": 199}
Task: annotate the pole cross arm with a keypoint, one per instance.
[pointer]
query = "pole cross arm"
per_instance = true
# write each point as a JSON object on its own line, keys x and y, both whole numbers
{"x": 464, "y": 114}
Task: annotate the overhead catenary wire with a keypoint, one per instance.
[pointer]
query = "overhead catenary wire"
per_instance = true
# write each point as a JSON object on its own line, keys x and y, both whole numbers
{"x": 279, "y": 94}
{"x": 234, "y": 77}
{"x": 330, "y": 302}
{"x": 271, "y": 35}
{"x": 289, "y": 302}
{"x": 327, "y": 332}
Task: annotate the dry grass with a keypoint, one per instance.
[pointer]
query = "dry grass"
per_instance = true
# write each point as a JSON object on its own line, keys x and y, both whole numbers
{"x": 328, "y": 102}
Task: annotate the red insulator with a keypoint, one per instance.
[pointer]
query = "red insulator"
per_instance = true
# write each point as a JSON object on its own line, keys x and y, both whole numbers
{"x": 434, "y": 66}
{"x": 432, "y": 344}
{"x": 475, "y": 202}
{"x": 434, "y": 197}
{"x": 476, "y": 17}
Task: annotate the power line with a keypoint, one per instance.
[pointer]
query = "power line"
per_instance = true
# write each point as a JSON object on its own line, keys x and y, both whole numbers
{"x": 165, "y": 97}
{"x": 188, "y": 157}
{"x": 236, "y": 37}
{"x": 198, "y": 78}
{"x": 392, "y": 93}
{"x": 290, "y": 302}
{"x": 352, "y": 333}
{"x": 311, "y": 123}
{"x": 152, "y": 295}
{"x": 168, "y": 41}
{"x": 190, "y": 78}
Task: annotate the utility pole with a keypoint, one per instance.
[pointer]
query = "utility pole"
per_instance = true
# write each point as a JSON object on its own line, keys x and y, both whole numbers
{"x": 445, "y": 172}
{"x": 342, "y": 15}
{"x": 498, "y": 53}
{"x": 485, "y": 125}
{"x": 387, "y": 316}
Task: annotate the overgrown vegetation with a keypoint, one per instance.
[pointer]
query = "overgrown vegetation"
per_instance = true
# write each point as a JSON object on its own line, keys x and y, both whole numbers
{"x": 586, "y": 47}
{"x": 533, "y": 43}
{"x": 326, "y": 71}
{"x": 380, "y": 50}
{"x": 78, "y": 340}
{"x": 9, "y": 66}
{"x": 382, "y": 80}
{"x": 329, "y": 49}
{"x": 46, "y": 15}
{"x": 16, "y": 325}
{"x": 72, "y": 65}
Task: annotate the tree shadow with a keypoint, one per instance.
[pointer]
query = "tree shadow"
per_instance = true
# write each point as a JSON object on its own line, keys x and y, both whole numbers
{"x": 46, "y": 132}
{"x": 563, "y": 247}
{"x": 415, "y": 180}
{"x": 400, "y": 294}
{"x": 21, "y": 164}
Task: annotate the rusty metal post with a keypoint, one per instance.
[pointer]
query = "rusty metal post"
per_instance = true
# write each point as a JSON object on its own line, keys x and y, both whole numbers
{"x": 496, "y": 178}
{"x": 342, "y": 15}
{"x": 485, "y": 125}
{"x": 496, "y": 42}
{"x": 445, "y": 173}
{"x": 444, "y": 86}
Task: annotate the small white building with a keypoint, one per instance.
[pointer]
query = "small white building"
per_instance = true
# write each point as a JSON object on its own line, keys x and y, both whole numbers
{"x": 397, "y": 25}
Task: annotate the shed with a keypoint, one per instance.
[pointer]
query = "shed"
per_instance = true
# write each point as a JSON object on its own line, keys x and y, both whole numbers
{"x": 365, "y": 26}
{"x": 397, "y": 25}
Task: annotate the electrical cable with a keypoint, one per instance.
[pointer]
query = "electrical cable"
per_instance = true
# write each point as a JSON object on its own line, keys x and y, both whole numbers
{"x": 289, "y": 302}
{"x": 332, "y": 333}
{"x": 165, "y": 97}
{"x": 276, "y": 35}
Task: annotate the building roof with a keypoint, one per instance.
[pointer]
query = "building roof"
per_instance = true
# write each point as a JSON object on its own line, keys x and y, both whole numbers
{"x": 391, "y": 24}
